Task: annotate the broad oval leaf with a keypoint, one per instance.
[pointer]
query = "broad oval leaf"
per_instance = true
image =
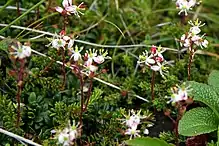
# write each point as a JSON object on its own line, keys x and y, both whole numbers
{"x": 198, "y": 121}
{"x": 146, "y": 141}
{"x": 205, "y": 94}
{"x": 213, "y": 78}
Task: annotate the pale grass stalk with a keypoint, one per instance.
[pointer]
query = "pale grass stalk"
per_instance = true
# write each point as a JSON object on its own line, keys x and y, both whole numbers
{"x": 19, "y": 138}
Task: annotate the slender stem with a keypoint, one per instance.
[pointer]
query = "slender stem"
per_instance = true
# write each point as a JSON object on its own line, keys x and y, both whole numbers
{"x": 65, "y": 22}
{"x": 89, "y": 94}
{"x": 63, "y": 69}
{"x": 82, "y": 96}
{"x": 152, "y": 85}
{"x": 189, "y": 65}
{"x": 18, "y": 8}
{"x": 19, "y": 90}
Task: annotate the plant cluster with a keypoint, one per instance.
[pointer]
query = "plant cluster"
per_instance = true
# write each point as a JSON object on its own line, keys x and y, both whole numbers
{"x": 104, "y": 94}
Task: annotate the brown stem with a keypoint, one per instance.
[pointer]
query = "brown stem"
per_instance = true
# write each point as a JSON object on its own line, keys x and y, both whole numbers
{"x": 89, "y": 94}
{"x": 63, "y": 69}
{"x": 82, "y": 96}
{"x": 18, "y": 8}
{"x": 152, "y": 85}
{"x": 19, "y": 90}
{"x": 189, "y": 65}
{"x": 65, "y": 22}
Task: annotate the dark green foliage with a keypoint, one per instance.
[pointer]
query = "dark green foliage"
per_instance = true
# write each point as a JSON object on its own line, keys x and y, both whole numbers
{"x": 45, "y": 106}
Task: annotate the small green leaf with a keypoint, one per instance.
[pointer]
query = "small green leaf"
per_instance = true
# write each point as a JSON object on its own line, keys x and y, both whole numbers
{"x": 146, "y": 141}
{"x": 32, "y": 98}
{"x": 213, "y": 78}
{"x": 198, "y": 121}
{"x": 205, "y": 94}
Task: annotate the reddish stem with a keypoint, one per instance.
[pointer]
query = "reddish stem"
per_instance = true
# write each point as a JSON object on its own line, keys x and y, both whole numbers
{"x": 18, "y": 8}
{"x": 189, "y": 65}
{"x": 89, "y": 94}
{"x": 19, "y": 90}
{"x": 152, "y": 85}
{"x": 82, "y": 96}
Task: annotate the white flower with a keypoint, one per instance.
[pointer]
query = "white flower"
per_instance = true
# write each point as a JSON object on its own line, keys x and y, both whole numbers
{"x": 20, "y": 51}
{"x": 185, "y": 5}
{"x": 76, "y": 55}
{"x": 133, "y": 132}
{"x": 133, "y": 120}
{"x": 185, "y": 41}
{"x": 69, "y": 8}
{"x": 102, "y": 55}
{"x": 199, "y": 41}
{"x": 155, "y": 61}
{"x": 58, "y": 43}
{"x": 179, "y": 93}
{"x": 69, "y": 134}
{"x": 63, "y": 137}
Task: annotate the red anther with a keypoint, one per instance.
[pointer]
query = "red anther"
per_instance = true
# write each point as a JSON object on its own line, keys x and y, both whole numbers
{"x": 62, "y": 32}
{"x": 159, "y": 59}
{"x": 153, "y": 49}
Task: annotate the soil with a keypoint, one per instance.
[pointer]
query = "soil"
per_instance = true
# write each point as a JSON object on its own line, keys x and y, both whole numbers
{"x": 162, "y": 124}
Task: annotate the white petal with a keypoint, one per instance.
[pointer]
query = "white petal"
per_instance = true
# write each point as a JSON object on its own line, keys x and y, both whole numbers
{"x": 150, "y": 61}
{"x": 65, "y": 3}
{"x": 59, "y": 9}
{"x": 155, "y": 68}
{"x": 70, "y": 43}
{"x": 99, "y": 59}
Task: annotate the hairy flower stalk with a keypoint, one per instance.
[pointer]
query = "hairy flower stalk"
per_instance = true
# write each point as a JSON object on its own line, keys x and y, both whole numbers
{"x": 192, "y": 40}
{"x": 18, "y": 53}
{"x": 178, "y": 99}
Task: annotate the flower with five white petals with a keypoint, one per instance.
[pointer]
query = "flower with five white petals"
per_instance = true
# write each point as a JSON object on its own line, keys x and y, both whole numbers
{"x": 20, "y": 51}
{"x": 179, "y": 93}
{"x": 76, "y": 53}
{"x": 185, "y": 5}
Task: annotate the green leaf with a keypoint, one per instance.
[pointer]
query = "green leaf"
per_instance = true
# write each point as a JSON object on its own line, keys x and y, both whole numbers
{"x": 213, "y": 78}
{"x": 146, "y": 141}
{"x": 32, "y": 98}
{"x": 198, "y": 121}
{"x": 205, "y": 94}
